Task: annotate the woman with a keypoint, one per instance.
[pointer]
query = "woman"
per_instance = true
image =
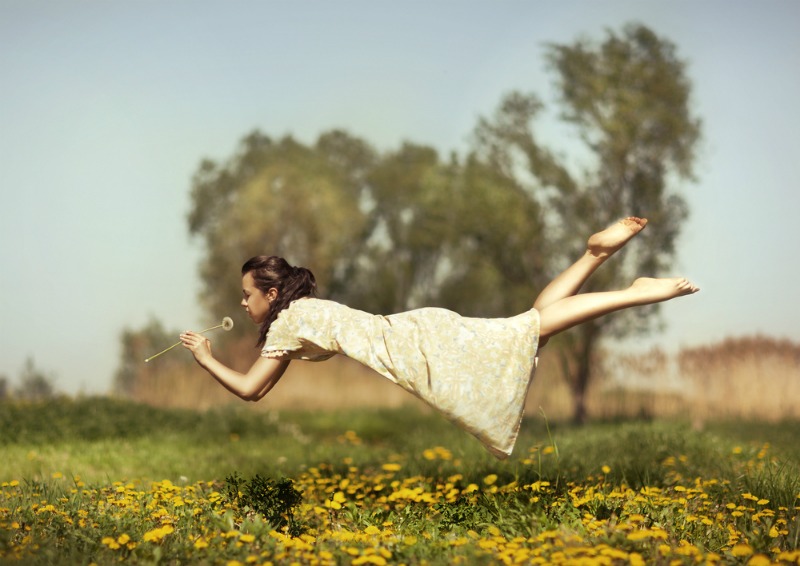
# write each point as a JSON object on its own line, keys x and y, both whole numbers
{"x": 475, "y": 371}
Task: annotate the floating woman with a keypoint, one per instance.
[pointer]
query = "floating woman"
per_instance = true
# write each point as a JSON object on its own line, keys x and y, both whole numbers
{"x": 476, "y": 371}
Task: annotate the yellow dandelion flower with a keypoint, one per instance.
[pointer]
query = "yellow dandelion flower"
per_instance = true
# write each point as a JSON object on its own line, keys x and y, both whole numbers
{"x": 247, "y": 538}
{"x": 490, "y": 479}
{"x": 773, "y": 532}
{"x": 336, "y": 502}
{"x": 759, "y": 560}
{"x": 790, "y": 557}
{"x": 372, "y": 530}
{"x": 123, "y": 539}
{"x": 391, "y": 467}
{"x": 110, "y": 542}
{"x": 606, "y": 470}
{"x": 158, "y": 534}
{"x": 644, "y": 534}
{"x": 740, "y": 550}
{"x": 437, "y": 453}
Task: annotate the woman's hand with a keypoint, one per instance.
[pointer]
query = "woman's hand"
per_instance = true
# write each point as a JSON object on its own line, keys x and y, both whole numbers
{"x": 199, "y": 345}
{"x": 250, "y": 386}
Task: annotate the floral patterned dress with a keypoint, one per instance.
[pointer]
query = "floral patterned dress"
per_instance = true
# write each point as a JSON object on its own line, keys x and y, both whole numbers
{"x": 475, "y": 371}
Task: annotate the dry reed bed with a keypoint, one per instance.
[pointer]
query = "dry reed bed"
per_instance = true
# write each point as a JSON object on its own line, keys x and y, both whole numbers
{"x": 753, "y": 377}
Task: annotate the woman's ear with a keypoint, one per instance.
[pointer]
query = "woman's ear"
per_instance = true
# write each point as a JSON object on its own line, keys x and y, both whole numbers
{"x": 272, "y": 294}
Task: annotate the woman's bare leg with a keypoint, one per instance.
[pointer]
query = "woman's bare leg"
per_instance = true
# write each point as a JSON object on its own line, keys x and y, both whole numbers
{"x": 598, "y": 249}
{"x": 573, "y": 310}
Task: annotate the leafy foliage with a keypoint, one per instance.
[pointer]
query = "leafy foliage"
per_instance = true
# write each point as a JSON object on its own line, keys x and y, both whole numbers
{"x": 275, "y": 500}
{"x": 279, "y": 198}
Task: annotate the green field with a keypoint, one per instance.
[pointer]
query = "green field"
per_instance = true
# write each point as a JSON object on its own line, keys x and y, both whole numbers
{"x": 98, "y": 481}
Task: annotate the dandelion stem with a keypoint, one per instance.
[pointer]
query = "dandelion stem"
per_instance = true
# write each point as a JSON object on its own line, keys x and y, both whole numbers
{"x": 178, "y": 343}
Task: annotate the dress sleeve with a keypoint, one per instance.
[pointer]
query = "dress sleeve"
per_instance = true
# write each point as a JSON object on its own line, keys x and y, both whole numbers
{"x": 282, "y": 340}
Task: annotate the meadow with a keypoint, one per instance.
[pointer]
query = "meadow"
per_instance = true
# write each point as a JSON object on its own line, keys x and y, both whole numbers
{"x": 99, "y": 481}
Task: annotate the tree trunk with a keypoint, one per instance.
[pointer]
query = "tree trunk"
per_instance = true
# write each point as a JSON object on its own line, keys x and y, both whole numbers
{"x": 576, "y": 365}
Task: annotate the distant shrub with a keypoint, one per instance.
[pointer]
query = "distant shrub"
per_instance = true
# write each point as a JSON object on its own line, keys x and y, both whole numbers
{"x": 96, "y": 418}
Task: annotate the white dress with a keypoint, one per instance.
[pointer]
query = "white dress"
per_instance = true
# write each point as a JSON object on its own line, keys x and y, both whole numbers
{"x": 476, "y": 371}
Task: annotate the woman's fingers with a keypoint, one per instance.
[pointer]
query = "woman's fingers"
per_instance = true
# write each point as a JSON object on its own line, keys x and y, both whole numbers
{"x": 198, "y": 344}
{"x": 191, "y": 339}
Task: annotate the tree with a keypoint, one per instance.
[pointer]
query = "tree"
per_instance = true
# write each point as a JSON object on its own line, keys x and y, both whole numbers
{"x": 278, "y": 198}
{"x": 34, "y": 384}
{"x": 407, "y": 232}
{"x": 442, "y": 233}
{"x": 499, "y": 256}
{"x": 3, "y": 387}
{"x": 627, "y": 99}
{"x": 137, "y": 345}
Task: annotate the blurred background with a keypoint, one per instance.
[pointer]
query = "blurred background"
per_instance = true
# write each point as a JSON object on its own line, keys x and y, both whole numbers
{"x": 453, "y": 153}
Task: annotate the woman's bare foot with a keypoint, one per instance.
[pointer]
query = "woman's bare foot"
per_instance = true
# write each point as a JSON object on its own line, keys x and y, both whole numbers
{"x": 656, "y": 290}
{"x": 605, "y": 243}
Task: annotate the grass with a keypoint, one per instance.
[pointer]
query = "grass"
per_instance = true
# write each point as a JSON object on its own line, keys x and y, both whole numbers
{"x": 97, "y": 480}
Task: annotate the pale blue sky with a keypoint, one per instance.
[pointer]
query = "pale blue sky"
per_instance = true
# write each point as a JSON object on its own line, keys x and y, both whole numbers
{"x": 106, "y": 109}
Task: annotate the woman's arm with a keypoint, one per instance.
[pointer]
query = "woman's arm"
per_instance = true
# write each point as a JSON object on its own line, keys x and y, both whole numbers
{"x": 250, "y": 386}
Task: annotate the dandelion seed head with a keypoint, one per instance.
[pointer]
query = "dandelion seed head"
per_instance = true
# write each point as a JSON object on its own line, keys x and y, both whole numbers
{"x": 227, "y": 323}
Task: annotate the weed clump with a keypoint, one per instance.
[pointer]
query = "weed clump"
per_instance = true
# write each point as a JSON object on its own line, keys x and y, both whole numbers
{"x": 274, "y": 500}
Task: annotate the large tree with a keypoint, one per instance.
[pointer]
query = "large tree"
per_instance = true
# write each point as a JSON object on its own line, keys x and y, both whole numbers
{"x": 278, "y": 198}
{"x": 382, "y": 232}
{"x": 627, "y": 101}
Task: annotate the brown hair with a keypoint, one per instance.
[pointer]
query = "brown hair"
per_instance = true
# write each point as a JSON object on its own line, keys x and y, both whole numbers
{"x": 290, "y": 282}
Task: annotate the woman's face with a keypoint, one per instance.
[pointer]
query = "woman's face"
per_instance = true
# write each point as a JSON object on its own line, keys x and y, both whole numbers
{"x": 254, "y": 301}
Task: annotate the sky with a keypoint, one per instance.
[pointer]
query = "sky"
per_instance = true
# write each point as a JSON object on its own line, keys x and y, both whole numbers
{"x": 108, "y": 107}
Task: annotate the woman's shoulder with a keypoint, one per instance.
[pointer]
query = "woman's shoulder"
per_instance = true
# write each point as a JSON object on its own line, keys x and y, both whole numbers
{"x": 311, "y": 306}
{"x": 318, "y": 311}
{"x": 312, "y": 303}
